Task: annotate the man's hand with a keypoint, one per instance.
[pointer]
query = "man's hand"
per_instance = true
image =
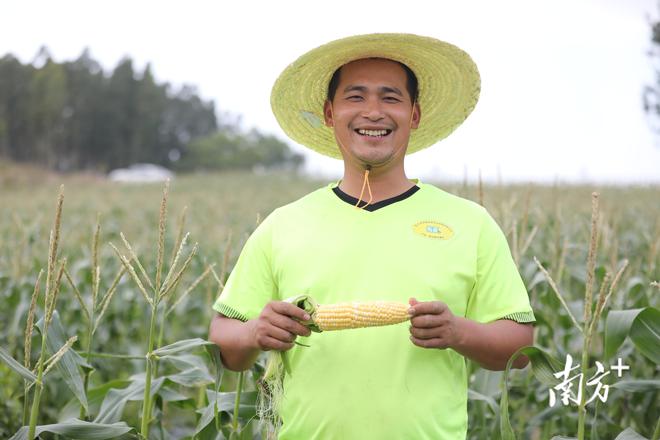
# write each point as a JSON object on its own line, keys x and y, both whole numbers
{"x": 490, "y": 344}
{"x": 278, "y": 326}
{"x": 433, "y": 325}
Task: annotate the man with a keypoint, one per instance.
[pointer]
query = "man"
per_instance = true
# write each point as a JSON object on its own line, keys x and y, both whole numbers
{"x": 376, "y": 236}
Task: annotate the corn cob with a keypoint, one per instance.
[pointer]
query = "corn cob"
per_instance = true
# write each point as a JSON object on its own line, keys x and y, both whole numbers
{"x": 347, "y": 315}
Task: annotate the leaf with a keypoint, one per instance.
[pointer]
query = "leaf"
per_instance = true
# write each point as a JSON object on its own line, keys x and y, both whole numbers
{"x": 629, "y": 434}
{"x": 637, "y": 385}
{"x": 561, "y": 437}
{"x": 95, "y": 398}
{"x": 192, "y": 377}
{"x": 474, "y": 395}
{"x": 214, "y": 352}
{"x": 179, "y": 346}
{"x": 75, "y": 428}
{"x": 16, "y": 366}
{"x": 70, "y": 364}
{"x": 645, "y": 333}
{"x": 169, "y": 394}
{"x": 246, "y": 409}
{"x": 617, "y": 327}
{"x": 543, "y": 367}
{"x": 643, "y": 327}
{"x": 185, "y": 361}
{"x": 116, "y": 399}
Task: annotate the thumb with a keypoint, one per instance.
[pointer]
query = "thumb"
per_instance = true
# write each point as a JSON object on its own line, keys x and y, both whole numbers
{"x": 412, "y": 301}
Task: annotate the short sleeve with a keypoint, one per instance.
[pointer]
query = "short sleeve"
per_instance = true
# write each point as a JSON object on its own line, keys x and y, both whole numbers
{"x": 498, "y": 292}
{"x": 251, "y": 284}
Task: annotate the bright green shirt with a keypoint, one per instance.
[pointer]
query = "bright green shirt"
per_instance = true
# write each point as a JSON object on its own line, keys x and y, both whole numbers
{"x": 373, "y": 383}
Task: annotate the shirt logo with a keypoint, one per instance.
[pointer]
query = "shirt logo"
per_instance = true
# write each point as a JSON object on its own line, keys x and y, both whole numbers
{"x": 433, "y": 230}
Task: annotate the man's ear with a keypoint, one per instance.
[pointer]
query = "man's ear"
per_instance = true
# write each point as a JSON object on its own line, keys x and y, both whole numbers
{"x": 327, "y": 114}
{"x": 416, "y": 116}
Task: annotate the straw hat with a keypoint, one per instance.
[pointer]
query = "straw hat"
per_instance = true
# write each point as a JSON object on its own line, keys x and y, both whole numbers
{"x": 448, "y": 87}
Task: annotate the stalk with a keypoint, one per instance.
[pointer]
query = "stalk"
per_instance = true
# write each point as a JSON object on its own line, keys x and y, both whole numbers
{"x": 656, "y": 433}
{"x": 237, "y": 402}
{"x": 146, "y": 408}
{"x": 588, "y": 328}
{"x": 90, "y": 334}
{"x": 93, "y": 354}
{"x": 38, "y": 386}
{"x": 26, "y": 404}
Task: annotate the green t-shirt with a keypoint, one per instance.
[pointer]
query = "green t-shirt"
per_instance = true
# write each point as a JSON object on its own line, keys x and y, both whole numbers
{"x": 374, "y": 383}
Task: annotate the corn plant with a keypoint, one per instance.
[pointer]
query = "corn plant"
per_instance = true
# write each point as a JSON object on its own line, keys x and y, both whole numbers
{"x": 193, "y": 398}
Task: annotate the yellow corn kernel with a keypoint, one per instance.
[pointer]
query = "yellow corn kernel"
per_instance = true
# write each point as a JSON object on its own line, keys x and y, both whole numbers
{"x": 347, "y": 315}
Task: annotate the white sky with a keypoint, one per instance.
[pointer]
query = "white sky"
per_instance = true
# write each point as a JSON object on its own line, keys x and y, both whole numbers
{"x": 562, "y": 80}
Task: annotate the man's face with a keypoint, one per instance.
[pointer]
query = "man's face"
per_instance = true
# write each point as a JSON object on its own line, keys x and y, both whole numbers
{"x": 372, "y": 113}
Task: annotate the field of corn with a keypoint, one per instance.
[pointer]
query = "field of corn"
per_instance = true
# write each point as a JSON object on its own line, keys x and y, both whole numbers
{"x": 106, "y": 294}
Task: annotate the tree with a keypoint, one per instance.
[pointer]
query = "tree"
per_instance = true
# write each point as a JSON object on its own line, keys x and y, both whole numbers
{"x": 651, "y": 94}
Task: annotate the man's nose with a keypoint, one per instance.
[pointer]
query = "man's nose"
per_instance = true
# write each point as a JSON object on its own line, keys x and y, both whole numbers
{"x": 373, "y": 110}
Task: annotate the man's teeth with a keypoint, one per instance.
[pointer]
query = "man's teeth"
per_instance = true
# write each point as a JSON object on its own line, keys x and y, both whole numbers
{"x": 372, "y": 132}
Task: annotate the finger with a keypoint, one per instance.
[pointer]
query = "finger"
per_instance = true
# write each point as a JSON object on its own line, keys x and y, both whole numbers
{"x": 426, "y": 333}
{"x": 288, "y": 324}
{"x": 268, "y": 343}
{"x": 412, "y": 301}
{"x": 427, "y": 321}
{"x": 288, "y": 309}
{"x": 428, "y": 308}
{"x": 280, "y": 334}
{"x": 429, "y": 343}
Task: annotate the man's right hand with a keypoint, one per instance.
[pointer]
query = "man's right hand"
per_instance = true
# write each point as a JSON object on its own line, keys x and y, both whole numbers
{"x": 278, "y": 325}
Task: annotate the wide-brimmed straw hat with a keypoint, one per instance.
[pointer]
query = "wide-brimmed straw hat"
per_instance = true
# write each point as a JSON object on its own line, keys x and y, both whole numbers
{"x": 448, "y": 82}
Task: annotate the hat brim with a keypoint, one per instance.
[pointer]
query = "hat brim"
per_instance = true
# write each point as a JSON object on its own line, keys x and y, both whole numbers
{"x": 448, "y": 82}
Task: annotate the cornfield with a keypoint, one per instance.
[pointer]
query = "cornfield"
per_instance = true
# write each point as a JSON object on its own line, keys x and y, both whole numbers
{"x": 106, "y": 294}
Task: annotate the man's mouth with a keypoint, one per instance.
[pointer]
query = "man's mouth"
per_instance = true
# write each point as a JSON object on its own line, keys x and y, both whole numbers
{"x": 373, "y": 133}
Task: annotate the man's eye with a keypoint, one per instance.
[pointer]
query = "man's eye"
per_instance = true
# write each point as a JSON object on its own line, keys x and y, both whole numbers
{"x": 354, "y": 97}
{"x": 392, "y": 99}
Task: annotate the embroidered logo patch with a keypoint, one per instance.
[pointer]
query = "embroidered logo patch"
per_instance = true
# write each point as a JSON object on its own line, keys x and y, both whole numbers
{"x": 433, "y": 230}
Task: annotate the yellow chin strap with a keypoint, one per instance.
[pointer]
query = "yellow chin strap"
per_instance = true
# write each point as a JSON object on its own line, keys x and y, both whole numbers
{"x": 367, "y": 167}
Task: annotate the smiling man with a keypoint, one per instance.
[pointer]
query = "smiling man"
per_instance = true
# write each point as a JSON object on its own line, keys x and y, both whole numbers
{"x": 376, "y": 235}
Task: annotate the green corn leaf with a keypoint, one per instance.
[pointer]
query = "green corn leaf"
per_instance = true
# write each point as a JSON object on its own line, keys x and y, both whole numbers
{"x": 617, "y": 327}
{"x": 643, "y": 327}
{"x": 214, "y": 353}
{"x": 543, "y": 367}
{"x": 116, "y": 399}
{"x": 95, "y": 397}
{"x": 246, "y": 409}
{"x": 179, "y": 346}
{"x": 645, "y": 333}
{"x": 629, "y": 434}
{"x": 75, "y": 428}
{"x": 16, "y": 366}
{"x": 169, "y": 394}
{"x": 475, "y": 395}
{"x": 70, "y": 364}
{"x": 192, "y": 377}
{"x": 637, "y": 385}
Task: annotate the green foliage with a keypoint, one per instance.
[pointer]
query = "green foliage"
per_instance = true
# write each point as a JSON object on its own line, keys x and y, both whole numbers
{"x": 72, "y": 115}
{"x": 234, "y": 150}
{"x": 191, "y": 397}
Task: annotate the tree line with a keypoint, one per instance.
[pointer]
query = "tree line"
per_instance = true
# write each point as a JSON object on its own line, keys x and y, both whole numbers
{"x": 73, "y": 116}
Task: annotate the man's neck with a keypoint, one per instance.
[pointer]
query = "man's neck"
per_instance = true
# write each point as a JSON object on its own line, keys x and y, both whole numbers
{"x": 384, "y": 185}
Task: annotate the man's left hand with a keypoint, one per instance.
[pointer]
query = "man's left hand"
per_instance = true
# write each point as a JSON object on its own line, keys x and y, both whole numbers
{"x": 433, "y": 325}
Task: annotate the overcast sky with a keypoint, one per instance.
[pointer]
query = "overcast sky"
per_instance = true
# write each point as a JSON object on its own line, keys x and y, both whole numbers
{"x": 562, "y": 80}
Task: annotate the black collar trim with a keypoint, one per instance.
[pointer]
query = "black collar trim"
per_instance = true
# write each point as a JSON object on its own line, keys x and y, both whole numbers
{"x": 352, "y": 200}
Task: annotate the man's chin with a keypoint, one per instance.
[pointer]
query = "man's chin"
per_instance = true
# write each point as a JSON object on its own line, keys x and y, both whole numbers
{"x": 375, "y": 160}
